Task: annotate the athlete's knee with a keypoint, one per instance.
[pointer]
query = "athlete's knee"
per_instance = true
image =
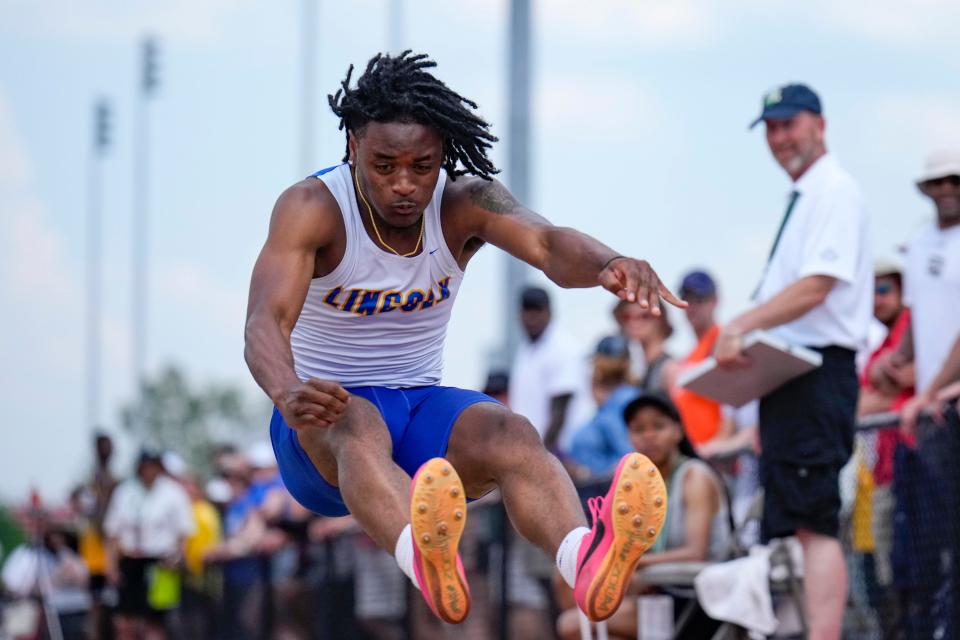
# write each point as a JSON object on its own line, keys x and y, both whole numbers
{"x": 512, "y": 438}
{"x": 361, "y": 423}
{"x": 359, "y": 433}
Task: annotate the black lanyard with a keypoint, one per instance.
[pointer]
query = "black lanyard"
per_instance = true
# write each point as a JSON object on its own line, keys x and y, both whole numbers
{"x": 794, "y": 196}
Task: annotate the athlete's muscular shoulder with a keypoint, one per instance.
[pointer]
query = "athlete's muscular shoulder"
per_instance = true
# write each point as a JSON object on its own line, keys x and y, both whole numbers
{"x": 306, "y": 218}
{"x": 474, "y": 198}
{"x": 307, "y": 213}
{"x": 468, "y": 205}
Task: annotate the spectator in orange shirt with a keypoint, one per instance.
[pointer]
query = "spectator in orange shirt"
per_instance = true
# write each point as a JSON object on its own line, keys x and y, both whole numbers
{"x": 701, "y": 416}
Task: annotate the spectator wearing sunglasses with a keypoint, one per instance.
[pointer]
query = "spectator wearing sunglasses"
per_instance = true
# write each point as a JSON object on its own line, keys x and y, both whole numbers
{"x": 932, "y": 290}
{"x": 884, "y": 387}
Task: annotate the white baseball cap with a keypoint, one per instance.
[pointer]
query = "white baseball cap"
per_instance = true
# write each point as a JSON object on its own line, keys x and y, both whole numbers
{"x": 260, "y": 455}
{"x": 940, "y": 164}
{"x": 886, "y": 266}
{"x": 218, "y": 490}
{"x": 173, "y": 463}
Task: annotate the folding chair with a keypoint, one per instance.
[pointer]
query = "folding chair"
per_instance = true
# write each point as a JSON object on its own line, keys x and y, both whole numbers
{"x": 677, "y": 579}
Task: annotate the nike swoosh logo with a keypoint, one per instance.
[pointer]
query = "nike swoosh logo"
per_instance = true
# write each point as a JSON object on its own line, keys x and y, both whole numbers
{"x": 597, "y": 539}
{"x": 433, "y": 252}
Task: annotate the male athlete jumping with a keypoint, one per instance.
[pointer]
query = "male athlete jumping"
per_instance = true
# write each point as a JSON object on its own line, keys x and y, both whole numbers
{"x": 349, "y": 303}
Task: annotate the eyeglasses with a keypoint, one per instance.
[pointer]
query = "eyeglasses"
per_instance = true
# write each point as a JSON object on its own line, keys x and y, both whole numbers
{"x": 883, "y": 288}
{"x": 953, "y": 181}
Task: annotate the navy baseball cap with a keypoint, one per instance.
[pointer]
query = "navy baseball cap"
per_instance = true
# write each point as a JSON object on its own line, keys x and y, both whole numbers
{"x": 497, "y": 382}
{"x": 698, "y": 283}
{"x": 534, "y": 298}
{"x": 150, "y": 454}
{"x": 614, "y": 346}
{"x": 787, "y": 101}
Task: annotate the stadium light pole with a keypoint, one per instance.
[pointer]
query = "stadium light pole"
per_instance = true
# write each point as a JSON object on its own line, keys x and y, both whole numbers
{"x": 308, "y": 84}
{"x": 100, "y": 145}
{"x": 146, "y": 89}
{"x": 518, "y": 162}
{"x": 395, "y": 27}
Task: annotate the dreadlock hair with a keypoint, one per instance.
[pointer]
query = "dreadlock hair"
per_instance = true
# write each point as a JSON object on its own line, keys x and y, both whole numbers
{"x": 398, "y": 89}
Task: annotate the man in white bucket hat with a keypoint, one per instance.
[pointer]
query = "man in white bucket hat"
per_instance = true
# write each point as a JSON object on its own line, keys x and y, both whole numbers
{"x": 932, "y": 288}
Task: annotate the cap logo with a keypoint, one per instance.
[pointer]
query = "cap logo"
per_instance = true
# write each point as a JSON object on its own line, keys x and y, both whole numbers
{"x": 772, "y": 98}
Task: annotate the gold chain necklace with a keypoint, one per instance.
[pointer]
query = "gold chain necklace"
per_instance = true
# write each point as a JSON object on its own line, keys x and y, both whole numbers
{"x": 356, "y": 179}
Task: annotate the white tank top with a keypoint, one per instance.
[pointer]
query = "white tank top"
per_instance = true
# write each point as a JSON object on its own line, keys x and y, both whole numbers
{"x": 378, "y": 319}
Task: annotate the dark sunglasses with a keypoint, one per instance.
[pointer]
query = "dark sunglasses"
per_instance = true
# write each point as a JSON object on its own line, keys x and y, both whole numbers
{"x": 953, "y": 181}
{"x": 883, "y": 288}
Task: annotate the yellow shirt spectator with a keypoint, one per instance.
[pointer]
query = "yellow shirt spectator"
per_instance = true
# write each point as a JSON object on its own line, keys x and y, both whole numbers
{"x": 93, "y": 551}
{"x": 207, "y": 535}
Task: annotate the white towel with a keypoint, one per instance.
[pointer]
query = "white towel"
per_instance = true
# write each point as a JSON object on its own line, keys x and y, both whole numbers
{"x": 739, "y": 591}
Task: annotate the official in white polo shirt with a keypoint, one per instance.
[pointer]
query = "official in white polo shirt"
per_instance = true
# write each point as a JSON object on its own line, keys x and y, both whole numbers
{"x": 932, "y": 288}
{"x": 147, "y": 523}
{"x": 816, "y": 291}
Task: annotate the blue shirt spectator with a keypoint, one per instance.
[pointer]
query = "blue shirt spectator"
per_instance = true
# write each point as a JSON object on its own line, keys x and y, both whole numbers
{"x": 599, "y": 444}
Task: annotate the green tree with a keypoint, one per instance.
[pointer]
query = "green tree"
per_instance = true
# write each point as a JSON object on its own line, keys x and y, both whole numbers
{"x": 175, "y": 415}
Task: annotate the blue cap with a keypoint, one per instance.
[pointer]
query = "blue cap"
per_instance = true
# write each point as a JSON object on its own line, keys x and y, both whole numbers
{"x": 615, "y": 346}
{"x": 787, "y": 101}
{"x": 497, "y": 382}
{"x": 534, "y": 298}
{"x": 698, "y": 283}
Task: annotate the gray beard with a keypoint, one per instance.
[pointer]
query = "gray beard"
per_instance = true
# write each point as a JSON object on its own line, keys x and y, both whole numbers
{"x": 795, "y": 164}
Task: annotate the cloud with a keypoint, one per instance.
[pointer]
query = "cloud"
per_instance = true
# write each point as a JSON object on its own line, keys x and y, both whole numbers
{"x": 36, "y": 277}
{"x": 566, "y": 106}
{"x": 15, "y": 169}
{"x": 41, "y": 336}
{"x": 182, "y": 20}
{"x": 932, "y": 121}
{"x": 651, "y": 23}
{"x": 191, "y": 288}
{"x": 892, "y": 20}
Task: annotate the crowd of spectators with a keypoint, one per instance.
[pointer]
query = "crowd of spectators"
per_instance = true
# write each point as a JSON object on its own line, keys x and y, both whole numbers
{"x": 165, "y": 553}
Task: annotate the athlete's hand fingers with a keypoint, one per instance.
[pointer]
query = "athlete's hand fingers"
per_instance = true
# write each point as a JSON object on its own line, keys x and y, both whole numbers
{"x": 313, "y": 396}
{"x": 306, "y": 421}
{"x": 669, "y": 296}
{"x": 648, "y": 289}
{"x": 634, "y": 288}
{"x": 318, "y": 413}
{"x": 619, "y": 277}
{"x": 301, "y": 403}
{"x": 610, "y": 280}
{"x": 330, "y": 387}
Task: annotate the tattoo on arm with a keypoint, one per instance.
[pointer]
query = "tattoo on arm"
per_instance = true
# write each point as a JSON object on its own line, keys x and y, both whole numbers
{"x": 493, "y": 197}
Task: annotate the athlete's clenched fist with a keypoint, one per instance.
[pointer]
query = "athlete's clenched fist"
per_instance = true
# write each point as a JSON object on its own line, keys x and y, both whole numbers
{"x": 314, "y": 403}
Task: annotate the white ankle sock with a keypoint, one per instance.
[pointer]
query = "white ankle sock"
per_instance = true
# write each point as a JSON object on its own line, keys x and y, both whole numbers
{"x": 568, "y": 552}
{"x": 403, "y": 554}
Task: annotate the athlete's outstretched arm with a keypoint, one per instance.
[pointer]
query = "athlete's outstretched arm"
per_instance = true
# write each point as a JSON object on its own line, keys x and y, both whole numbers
{"x": 568, "y": 257}
{"x": 299, "y": 227}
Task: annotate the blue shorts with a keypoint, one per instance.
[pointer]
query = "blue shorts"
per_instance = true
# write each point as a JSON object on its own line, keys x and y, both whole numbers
{"x": 420, "y": 420}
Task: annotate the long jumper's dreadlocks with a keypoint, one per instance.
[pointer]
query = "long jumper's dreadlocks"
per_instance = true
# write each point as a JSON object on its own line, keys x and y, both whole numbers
{"x": 398, "y": 89}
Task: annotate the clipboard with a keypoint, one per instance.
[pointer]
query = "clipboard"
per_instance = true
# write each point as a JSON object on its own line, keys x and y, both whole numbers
{"x": 773, "y": 362}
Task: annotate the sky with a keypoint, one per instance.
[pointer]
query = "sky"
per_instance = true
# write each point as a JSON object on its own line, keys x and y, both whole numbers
{"x": 639, "y": 137}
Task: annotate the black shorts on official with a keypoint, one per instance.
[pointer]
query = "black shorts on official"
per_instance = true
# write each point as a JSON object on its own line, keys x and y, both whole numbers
{"x": 799, "y": 497}
{"x": 133, "y": 590}
{"x": 806, "y": 436}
